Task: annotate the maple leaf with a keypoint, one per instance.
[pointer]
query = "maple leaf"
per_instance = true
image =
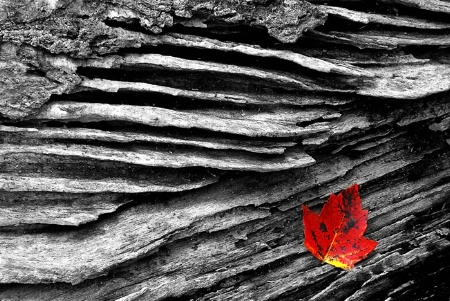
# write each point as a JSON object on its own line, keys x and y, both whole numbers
{"x": 335, "y": 236}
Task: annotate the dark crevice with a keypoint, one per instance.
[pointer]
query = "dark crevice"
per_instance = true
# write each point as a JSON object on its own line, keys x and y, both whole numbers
{"x": 232, "y": 58}
{"x": 150, "y": 99}
{"x": 202, "y": 81}
{"x": 34, "y": 71}
{"x": 130, "y": 24}
{"x": 224, "y": 81}
{"x": 214, "y": 30}
{"x": 313, "y": 121}
{"x": 166, "y": 101}
{"x": 434, "y": 53}
{"x": 268, "y": 94}
{"x": 228, "y": 32}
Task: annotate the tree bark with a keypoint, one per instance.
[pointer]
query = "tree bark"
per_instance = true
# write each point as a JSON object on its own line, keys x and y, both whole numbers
{"x": 161, "y": 150}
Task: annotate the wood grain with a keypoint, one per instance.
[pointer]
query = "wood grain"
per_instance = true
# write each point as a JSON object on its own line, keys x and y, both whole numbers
{"x": 162, "y": 150}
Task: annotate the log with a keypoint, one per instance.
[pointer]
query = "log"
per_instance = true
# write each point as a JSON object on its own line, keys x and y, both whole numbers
{"x": 163, "y": 150}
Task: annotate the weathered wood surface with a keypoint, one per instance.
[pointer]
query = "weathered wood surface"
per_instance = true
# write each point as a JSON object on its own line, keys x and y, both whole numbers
{"x": 161, "y": 150}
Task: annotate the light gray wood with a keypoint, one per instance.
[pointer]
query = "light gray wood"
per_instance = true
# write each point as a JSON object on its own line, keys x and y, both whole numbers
{"x": 263, "y": 147}
{"x": 257, "y": 125}
{"x": 366, "y": 18}
{"x": 432, "y": 5}
{"x": 50, "y": 208}
{"x": 154, "y": 157}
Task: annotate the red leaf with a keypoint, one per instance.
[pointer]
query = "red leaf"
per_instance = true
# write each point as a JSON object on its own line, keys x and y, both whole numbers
{"x": 336, "y": 235}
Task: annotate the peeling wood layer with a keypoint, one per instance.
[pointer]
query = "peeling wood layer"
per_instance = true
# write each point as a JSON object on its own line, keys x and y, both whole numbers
{"x": 432, "y": 5}
{"x": 179, "y": 64}
{"x": 254, "y": 146}
{"x": 153, "y": 116}
{"x": 183, "y": 40}
{"x": 155, "y": 157}
{"x": 384, "y": 40}
{"x": 20, "y": 208}
{"x": 366, "y": 18}
{"x": 419, "y": 73}
{"x": 414, "y": 82}
{"x": 115, "y": 86}
{"x": 69, "y": 185}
